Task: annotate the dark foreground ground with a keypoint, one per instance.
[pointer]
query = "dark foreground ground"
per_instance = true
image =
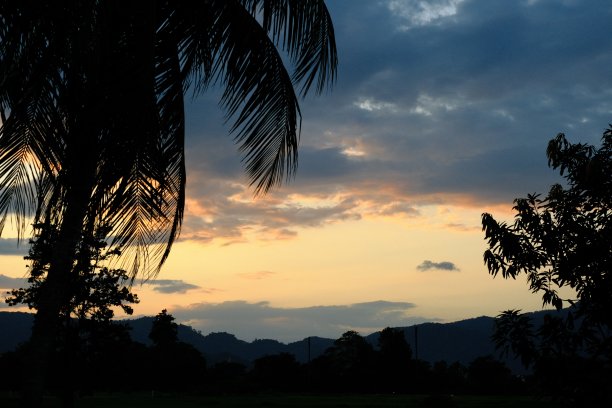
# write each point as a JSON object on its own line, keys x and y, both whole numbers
{"x": 295, "y": 401}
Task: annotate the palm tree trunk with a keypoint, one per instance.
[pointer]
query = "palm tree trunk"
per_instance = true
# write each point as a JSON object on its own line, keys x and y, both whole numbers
{"x": 56, "y": 290}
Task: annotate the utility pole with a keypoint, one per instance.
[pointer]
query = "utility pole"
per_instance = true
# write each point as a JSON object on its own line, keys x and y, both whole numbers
{"x": 416, "y": 342}
{"x": 309, "y": 378}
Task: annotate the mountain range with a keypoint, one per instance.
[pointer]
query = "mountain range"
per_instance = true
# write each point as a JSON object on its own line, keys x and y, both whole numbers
{"x": 460, "y": 341}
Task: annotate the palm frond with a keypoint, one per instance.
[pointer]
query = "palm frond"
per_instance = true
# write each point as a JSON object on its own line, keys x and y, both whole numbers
{"x": 29, "y": 144}
{"x": 258, "y": 93}
{"x": 304, "y": 29}
{"x": 243, "y": 38}
{"x": 100, "y": 84}
{"x": 142, "y": 174}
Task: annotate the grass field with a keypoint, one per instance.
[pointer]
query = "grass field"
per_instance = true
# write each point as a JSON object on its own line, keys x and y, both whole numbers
{"x": 294, "y": 401}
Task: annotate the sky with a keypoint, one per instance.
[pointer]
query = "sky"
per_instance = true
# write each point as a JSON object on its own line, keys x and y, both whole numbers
{"x": 442, "y": 111}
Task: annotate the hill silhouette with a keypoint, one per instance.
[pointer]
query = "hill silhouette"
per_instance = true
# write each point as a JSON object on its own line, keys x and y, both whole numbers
{"x": 460, "y": 341}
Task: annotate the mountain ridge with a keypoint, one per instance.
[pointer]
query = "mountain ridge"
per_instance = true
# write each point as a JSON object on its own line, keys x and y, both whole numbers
{"x": 461, "y": 341}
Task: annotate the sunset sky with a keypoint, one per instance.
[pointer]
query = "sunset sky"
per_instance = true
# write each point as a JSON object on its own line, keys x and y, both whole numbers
{"x": 442, "y": 111}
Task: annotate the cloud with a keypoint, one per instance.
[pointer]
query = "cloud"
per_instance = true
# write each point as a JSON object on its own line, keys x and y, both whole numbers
{"x": 7, "y": 282}
{"x": 463, "y": 227}
{"x": 212, "y": 214}
{"x": 279, "y": 215}
{"x": 416, "y": 13}
{"x": 257, "y": 275}
{"x": 170, "y": 286}
{"x": 262, "y": 320}
{"x": 441, "y": 266}
{"x": 10, "y": 246}
{"x": 461, "y": 105}
{"x": 370, "y": 105}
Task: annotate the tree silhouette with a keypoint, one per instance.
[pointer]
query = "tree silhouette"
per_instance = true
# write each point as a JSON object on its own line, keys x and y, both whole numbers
{"x": 279, "y": 372}
{"x": 86, "y": 318}
{"x": 91, "y": 105}
{"x": 228, "y": 377}
{"x": 563, "y": 241}
{"x": 486, "y": 375}
{"x": 348, "y": 362}
{"x": 394, "y": 357}
{"x": 173, "y": 364}
{"x": 164, "y": 331}
{"x": 94, "y": 288}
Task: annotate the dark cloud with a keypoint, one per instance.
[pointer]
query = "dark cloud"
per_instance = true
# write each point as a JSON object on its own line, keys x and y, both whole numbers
{"x": 477, "y": 171}
{"x": 433, "y": 99}
{"x": 441, "y": 266}
{"x": 317, "y": 164}
{"x": 261, "y": 320}
{"x": 7, "y": 282}
{"x": 11, "y": 246}
{"x": 170, "y": 286}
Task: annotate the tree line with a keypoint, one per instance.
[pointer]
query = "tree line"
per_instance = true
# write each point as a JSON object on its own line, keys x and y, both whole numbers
{"x": 109, "y": 361}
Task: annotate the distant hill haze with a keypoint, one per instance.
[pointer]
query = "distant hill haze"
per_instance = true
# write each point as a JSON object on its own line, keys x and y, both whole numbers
{"x": 461, "y": 341}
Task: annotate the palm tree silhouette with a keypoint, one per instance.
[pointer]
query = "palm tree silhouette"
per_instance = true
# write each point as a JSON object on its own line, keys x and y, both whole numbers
{"x": 93, "y": 122}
